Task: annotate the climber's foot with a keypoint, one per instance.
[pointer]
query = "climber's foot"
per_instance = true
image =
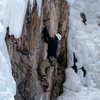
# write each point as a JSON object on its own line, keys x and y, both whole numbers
{"x": 45, "y": 84}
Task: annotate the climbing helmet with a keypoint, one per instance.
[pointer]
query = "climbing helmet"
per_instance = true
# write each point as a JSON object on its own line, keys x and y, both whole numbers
{"x": 58, "y": 36}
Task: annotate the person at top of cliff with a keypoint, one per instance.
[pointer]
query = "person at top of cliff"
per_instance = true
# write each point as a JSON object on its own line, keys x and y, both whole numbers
{"x": 52, "y": 42}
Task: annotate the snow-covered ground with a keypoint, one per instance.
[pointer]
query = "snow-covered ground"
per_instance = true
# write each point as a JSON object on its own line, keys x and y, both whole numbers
{"x": 14, "y": 16}
{"x": 74, "y": 90}
{"x": 84, "y": 41}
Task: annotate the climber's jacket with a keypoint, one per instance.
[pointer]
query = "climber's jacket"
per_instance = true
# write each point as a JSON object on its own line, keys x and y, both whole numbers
{"x": 52, "y": 43}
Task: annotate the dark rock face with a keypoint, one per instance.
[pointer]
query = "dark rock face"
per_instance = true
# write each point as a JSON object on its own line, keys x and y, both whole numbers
{"x": 27, "y": 52}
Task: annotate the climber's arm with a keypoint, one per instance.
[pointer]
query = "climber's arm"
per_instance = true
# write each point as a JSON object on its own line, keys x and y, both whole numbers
{"x": 47, "y": 37}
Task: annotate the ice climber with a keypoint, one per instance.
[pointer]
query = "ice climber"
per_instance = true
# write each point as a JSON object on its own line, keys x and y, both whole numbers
{"x": 51, "y": 52}
{"x": 52, "y": 43}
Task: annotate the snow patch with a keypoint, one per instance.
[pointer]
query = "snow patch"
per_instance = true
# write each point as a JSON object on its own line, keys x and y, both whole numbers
{"x": 84, "y": 94}
{"x": 72, "y": 80}
{"x": 32, "y": 3}
{"x": 39, "y": 3}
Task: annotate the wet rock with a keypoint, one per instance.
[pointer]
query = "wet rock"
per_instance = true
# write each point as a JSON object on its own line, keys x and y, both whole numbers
{"x": 27, "y": 52}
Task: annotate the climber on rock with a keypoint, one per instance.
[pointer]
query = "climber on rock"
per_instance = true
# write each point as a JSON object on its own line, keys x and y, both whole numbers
{"x": 51, "y": 53}
{"x": 52, "y": 43}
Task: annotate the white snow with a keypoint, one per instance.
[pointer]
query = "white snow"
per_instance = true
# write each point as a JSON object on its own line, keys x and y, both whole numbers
{"x": 74, "y": 90}
{"x": 7, "y": 83}
{"x": 72, "y": 77}
{"x": 39, "y": 3}
{"x": 84, "y": 41}
{"x": 14, "y": 16}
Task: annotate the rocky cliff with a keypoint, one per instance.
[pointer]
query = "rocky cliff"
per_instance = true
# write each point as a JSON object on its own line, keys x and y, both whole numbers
{"x": 28, "y": 51}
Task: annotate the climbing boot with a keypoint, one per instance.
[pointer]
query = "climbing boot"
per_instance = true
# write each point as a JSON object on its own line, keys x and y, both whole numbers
{"x": 45, "y": 84}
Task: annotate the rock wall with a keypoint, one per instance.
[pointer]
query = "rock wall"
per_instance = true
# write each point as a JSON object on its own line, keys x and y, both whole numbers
{"x": 27, "y": 52}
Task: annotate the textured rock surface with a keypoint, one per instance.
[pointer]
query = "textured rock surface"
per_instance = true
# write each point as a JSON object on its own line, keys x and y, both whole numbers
{"x": 25, "y": 52}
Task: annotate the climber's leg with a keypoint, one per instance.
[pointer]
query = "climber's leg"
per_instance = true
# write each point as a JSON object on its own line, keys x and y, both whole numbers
{"x": 42, "y": 69}
{"x": 52, "y": 61}
{"x": 44, "y": 65}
